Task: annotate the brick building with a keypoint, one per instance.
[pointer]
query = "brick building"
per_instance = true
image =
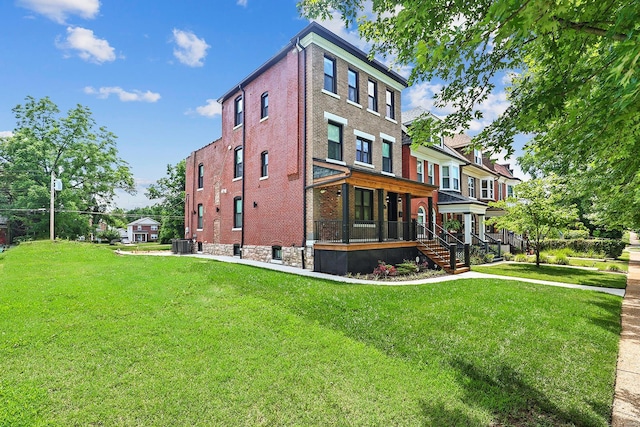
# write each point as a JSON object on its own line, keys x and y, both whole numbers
{"x": 308, "y": 171}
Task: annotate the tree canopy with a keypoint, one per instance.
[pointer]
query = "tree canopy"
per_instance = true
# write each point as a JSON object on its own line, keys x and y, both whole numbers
{"x": 83, "y": 156}
{"x": 538, "y": 209}
{"x": 573, "y": 65}
{"x": 171, "y": 192}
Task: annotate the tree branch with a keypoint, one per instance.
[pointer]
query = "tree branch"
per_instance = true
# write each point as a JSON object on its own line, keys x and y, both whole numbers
{"x": 587, "y": 28}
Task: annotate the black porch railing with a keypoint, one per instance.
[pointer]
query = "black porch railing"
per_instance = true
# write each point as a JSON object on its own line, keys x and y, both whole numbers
{"x": 353, "y": 231}
{"x": 457, "y": 250}
{"x": 488, "y": 246}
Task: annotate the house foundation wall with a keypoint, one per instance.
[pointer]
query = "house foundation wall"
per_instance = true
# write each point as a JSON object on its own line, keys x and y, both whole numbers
{"x": 291, "y": 256}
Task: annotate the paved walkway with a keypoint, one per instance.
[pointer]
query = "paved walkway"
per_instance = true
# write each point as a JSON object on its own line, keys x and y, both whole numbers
{"x": 626, "y": 401}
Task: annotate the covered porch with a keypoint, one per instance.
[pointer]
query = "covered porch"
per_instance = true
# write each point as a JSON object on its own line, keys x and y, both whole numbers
{"x": 360, "y": 217}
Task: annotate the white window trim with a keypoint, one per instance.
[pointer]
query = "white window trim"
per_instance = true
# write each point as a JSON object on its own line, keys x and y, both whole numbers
{"x": 336, "y": 162}
{"x": 236, "y": 229}
{"x": 373, "y": 112}
{"x": 238, "y": 126}
{"x": 387, "y": 137}
{"x": 387, "y": 173}
{"x": 334, "y": 95}
{"x": 420, "y": 162}
{"x": 391, "y": 120}
{"x": 450, "y": 165}
{"x": 364, "y": 135}
{"x": 330, "y": 117}
{"x": 355, "y": 104}
{"x": 359, "y": 163}
{"x": 236, "y": 179}
{"x": 263, "y": 119}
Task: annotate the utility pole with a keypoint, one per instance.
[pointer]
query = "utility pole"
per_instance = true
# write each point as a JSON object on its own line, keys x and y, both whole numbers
{"x": 51, "y": 209}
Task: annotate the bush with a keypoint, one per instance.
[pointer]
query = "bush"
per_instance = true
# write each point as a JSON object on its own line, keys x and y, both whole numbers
{"x": 544, "y": 259}
{"x": 562, "y": 260}
{"x": 407, "y": 267}
{"x": 384, "y": 270}
{"x": 488, "y": 258}
{"x": 576, "y": 234}
{"x": 614, "y": 267}
{"x": 609, "y": 247}
{"x": 521, "y": 258}
{"x": 508, "y": 256}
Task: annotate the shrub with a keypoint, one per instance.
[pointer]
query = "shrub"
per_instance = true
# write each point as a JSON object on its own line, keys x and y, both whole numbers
{"x": 488, "y": 258}
{"x": 384, "y": 270}
{"x": 609, "y": 247}
{"x": 407, "y": 267}
{"x": 614, "y": 267}
{"x": 562, "y": 260}
{"x": 521, "y": 258}
{"x": 576, "y": 234}
{"x": 508, "y": 256}
{"x": 544, "y": 259}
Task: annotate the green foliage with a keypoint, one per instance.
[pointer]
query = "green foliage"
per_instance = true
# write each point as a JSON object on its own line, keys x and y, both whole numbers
{"x": 108, "y": 235}
{"x": 452, "y": 225}
{"x": 609, "y": 247}
{"x": 521, "y": 258}
{"x": 538, "y": 210}
{"x": 171, "y": 191}
{"x": 83, "y": 156}
{"x": 575, "y": 80}
{"x": 508, "y": 256}
{"x": 561, "y": 260}
{"x": 575, "y": 234}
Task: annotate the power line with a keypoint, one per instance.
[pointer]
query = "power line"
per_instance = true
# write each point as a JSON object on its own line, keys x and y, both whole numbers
{"x": 44, "y": 210}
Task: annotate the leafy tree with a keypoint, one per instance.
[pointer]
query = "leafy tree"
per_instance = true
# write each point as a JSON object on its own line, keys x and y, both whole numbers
{"x": 171, "y": 189}
{"x": 575, "y": 78}
{"x": 83, "y": 156}
{"x": 537, "y": 210}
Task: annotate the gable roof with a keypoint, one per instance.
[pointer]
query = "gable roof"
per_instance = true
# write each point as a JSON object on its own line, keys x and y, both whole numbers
{"x": 318, "y": 29}
{"x": 144, "y": 221}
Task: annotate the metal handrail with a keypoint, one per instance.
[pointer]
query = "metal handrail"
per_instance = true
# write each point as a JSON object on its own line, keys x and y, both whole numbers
{"x": 429, "y": 233}
{"x": 451, "y": 236}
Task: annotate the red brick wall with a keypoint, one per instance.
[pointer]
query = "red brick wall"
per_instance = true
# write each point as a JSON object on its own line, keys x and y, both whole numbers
{"x": 277, "y": 218}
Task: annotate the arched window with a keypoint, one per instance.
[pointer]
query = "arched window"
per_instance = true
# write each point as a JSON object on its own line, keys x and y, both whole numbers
{"x": 422, "y": 221}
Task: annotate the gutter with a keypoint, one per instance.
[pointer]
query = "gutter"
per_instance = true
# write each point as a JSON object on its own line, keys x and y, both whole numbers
{"x": 244, "y": 137}
{"x": 304, "y": 145}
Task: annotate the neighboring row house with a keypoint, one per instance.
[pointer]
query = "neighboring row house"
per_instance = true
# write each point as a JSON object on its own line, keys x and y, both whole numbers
{"x": 467, "y": 179}
{"x": 311, "y": 170}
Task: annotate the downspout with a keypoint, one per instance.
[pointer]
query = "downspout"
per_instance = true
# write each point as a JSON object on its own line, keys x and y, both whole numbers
{"x": 244, "y": 136}
{"x": 304, "y": 145}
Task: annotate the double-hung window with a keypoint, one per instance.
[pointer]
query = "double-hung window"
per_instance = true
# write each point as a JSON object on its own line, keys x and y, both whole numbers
{"x": 391, "y": 105}
{"x": 363, "y": 150}
{"x": 430, "y": 173}
{"x": 387, "y": 165}
{"x": 487, "y": 189}
{"x": 264, "y": 105}
{"x": 509, "y": 190}
{"x": 477, "y": 156}
{"x": 200, "y": 175}
{"x": 364, "y": 205}
{"x": 264, "y": 164}
{"x": 372, "y": 91}
{"x": 334, "y": 144}
{"x": 200, "y": 217}
{"x": 237, "y": 163}
{"x": 451, "y": 178}
{"x": 237, "y": 212}
{"x": 352, "y": 77}
{"x": 420, "y": 171}
{"x": 238, "y": 109}
{"x": 471, "y": 183}
{"x": 330, "y": 74}
{"x": 500, "y": 196}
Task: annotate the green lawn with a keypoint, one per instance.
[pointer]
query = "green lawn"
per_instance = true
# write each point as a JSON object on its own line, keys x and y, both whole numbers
{"x": 554, "y": 273}
{"x": 89, "y": 337}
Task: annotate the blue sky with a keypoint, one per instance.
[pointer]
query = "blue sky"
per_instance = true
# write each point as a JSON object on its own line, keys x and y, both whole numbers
{"x": 150, "y": 71}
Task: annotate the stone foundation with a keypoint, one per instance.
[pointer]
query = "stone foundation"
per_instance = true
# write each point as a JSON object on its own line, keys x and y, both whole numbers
{"x": 291, "y": 256}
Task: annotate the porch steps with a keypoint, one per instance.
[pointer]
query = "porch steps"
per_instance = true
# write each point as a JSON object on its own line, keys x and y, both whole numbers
{"x": 440, "y": 256}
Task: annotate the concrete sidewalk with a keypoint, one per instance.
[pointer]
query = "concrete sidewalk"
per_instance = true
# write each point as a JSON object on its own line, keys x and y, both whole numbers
{"x": 626, "y": 401}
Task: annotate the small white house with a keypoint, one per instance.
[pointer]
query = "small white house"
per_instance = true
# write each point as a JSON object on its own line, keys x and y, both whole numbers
{"x": 143, "y": 230}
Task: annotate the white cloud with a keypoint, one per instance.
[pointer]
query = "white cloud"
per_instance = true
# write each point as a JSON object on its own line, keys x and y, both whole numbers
{"x": 89, "y": 47}
{"x": 190, "y": 49}
{"x": 58, "y": 10}
{"x": 211, "y": 109}
{"x": 6, "y": 134}
{"x": 123, "y": 95}
{"x": 242, "y": 3}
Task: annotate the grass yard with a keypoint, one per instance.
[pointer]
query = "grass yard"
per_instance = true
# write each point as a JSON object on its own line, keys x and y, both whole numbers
{"x": 93, "y": 338}
{"x": 554, "y": 273}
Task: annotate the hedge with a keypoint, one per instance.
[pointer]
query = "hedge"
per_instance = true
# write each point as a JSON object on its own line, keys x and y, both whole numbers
{"x": 612, "y": 248}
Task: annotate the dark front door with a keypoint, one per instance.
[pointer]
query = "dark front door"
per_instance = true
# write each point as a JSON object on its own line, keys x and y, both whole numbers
{"x": 392, "y": 208}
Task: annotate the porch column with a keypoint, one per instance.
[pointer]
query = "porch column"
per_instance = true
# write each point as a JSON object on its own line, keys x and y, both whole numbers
{"x": 406, "y": 217}
{"x": 467, "y": 228}
{"x": 481, "y": 226}
{"x": 431, "y": 219}
{"x": 380, "y": 214}
{"x": 345, "y": 213}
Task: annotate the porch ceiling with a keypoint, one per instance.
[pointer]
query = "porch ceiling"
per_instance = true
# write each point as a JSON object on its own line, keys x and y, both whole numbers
{"x": 363, "y": 178}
